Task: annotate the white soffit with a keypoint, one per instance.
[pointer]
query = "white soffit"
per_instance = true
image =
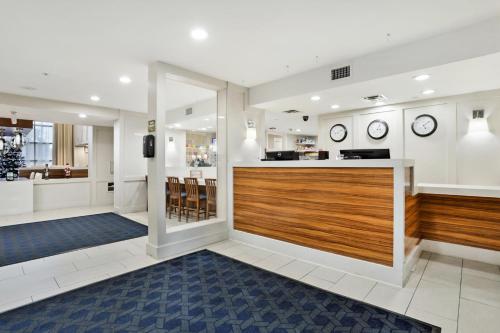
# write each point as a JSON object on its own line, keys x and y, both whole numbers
{"x": 472, "y": 75}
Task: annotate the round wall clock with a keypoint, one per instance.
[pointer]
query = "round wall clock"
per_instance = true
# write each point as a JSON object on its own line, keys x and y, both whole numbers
{"x": 338, "y": 133}
{"x": 424, "y": 125}
{"x": 378, "y": 129}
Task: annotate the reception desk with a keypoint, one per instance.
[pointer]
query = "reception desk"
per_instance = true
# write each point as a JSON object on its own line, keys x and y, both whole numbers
{"x": 359, "y": 215}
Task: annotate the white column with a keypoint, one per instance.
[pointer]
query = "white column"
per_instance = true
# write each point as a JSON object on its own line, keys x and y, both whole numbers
{"x": 156, "y": 165}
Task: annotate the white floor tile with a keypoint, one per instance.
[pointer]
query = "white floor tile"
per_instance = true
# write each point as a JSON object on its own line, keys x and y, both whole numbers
{"x": 96, "y": 273}
{"x": 327, "y": 274}
{"x": 416, "y": 275}
{"x": 481, "y": 290}
{"x": 14, "y": 304}
{"x": 50, "y": 270}
{"x": 25, "y": 286}
{"x": 273, "y": 262}
{"x": 217, "y": 247}
{"x": 101, "y": 259}
{"x": 353, "y": 286}
{"x": 60, "y": 259}
{"x": 481, "y": 269}
{"x": 296, "y": 269}
{"x": 10, "y": 271}
{"x": 317, "y": 282}
{"x": 436, "y": 298}
{"x": 443, "y": 269}
{"x": 138, "y": 262}
{"x": 477, "y": 317}
{"x": 447, "y": 325}
{"x": 389, "y": 297}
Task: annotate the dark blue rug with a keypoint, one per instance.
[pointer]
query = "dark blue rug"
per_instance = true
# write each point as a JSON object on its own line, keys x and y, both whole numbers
{"x": 204, "y": 292}
{"x": 29, "y": 241}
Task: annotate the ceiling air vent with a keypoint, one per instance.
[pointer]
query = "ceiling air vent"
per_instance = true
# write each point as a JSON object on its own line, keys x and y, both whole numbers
{"x": 375, "y": 98}
{"x": 189, "y": 111}
{"x": 341, "y": 72}
{"x": 291, "y": 111}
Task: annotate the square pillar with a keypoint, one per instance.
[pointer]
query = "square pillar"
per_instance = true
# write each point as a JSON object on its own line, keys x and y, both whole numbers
{"x": 156, "y": 165}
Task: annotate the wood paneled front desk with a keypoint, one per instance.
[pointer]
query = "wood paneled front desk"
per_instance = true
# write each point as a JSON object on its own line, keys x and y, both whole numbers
{"x": 356, "y": 215}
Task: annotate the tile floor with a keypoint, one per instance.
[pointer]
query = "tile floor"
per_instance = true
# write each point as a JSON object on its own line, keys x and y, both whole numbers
{"x": 456, "y": 294}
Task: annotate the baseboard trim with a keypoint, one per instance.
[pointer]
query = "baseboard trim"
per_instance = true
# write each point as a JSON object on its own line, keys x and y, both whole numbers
{"x": 462, "y": 251}
{"x": 181, "y": 245}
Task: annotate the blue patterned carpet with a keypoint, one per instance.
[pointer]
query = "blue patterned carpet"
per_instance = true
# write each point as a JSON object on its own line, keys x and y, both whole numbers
{"x": 204, "y": 292}
{"x": 29, "y": 241}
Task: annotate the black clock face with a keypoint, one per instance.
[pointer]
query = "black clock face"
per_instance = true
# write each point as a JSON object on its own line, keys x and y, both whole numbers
{"x": 338, "y": 133}
{"x": 377, "y": 129}
{"x": 424, "y": 125}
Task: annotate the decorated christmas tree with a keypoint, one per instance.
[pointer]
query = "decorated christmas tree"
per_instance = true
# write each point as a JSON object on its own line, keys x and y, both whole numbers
{"x": 11, "y": 161}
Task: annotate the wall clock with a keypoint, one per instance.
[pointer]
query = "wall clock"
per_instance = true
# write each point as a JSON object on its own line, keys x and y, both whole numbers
{"x": 338, "y": 133}
{"x": 424, "y": 125}
{"x": 378, "y": 129}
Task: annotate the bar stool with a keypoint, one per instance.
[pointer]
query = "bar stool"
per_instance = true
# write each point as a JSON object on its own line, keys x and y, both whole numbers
{"x": 194, "y": 198}
{"x": 211, "y": 186}
{"x": 176, "y": 197}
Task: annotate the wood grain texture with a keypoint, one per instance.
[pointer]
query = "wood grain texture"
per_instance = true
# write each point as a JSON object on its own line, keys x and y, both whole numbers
{"x": 472, "y": 221}
{"x": 412, "y": 222}
{"x": 348, "y": 211}
{"x": 55, "y": 173}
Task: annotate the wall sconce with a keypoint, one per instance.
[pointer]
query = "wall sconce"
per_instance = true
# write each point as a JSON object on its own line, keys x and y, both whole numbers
{"x": 251, "y": 130}
{"x": 478, "y": 123}
{"x": 2, "y": 142}
{"x": 17, "y": 141}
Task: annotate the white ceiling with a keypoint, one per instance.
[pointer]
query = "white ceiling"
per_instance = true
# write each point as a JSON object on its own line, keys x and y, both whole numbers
{"x": 206, "y": 123}
{"x": 462, "y": 77}
{"x": 86, "y": 45}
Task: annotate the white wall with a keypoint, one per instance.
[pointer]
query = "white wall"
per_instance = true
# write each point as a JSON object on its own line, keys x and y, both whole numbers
{"x": 453, "y": 154}
{"x": 129, "y": 164}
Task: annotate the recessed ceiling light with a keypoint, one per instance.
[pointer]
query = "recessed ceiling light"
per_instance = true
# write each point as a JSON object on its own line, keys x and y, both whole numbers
{"x": 125, "y": 79}
{"x": 206, "y": 119}
{"x": 95, "y": 98}
{"x": 82, "y": 115}
{"x": 421, "y": 77}
{"x": 315, "y": 98}
{"x": 220, "y": 117}
{"x": 335, "y": 106}
{"x": 177, "y": 125}
{"x": 379, "y": 103}
{"x": 428, "y": 92}
{"x": 298, "y": 130}
{"x": 199, "y": 34}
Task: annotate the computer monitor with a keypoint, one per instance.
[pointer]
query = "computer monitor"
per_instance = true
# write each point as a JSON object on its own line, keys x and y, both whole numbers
{"x": 365, "y": 154}
{"x": 285, "y": 155}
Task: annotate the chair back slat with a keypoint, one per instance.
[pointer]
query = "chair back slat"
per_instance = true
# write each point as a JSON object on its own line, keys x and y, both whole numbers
{"x": 192, "y": 192}
{"x": 211, "y": 185}
{"x": 174, "y": 186}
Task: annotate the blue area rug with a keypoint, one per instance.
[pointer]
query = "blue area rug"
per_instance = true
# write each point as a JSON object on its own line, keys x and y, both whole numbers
{"x": 204, "y": 292}
{"x": 30, "y": 241}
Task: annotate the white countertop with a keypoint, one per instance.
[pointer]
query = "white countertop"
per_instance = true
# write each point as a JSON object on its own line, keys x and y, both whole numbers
{"x": 382, "y": 163}
{"x": 464, "y": 190}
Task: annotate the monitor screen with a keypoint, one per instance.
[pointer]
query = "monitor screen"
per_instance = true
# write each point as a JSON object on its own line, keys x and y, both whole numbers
{"x": 366, "y": 154}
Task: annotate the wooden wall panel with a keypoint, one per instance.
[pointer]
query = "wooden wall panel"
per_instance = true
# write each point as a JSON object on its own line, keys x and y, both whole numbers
{"x": 55, "y": 173}
{"x": 412, "y": 222}
{"x": 348, "y": 211}
{"x": 472, "y": 221}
